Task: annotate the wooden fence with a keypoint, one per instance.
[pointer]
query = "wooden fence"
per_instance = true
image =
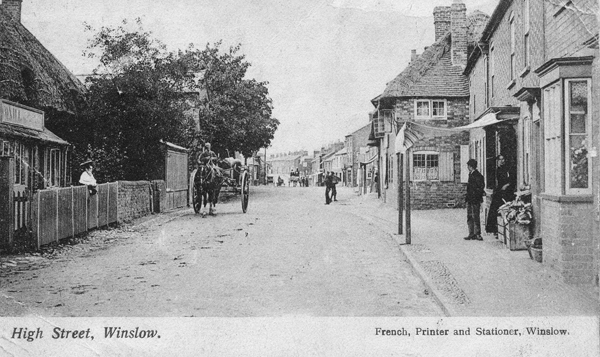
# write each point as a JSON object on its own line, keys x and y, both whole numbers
{"x": 65, "y": 212}
{"x": 21, "y": 207}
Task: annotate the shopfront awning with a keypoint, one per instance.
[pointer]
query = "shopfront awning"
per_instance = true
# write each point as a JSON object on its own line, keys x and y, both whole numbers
{"x": 369, "y": 161}
{"x": 412, "y": 132}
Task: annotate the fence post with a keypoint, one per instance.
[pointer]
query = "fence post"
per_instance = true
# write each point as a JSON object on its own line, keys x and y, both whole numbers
{"x": 39, "y": 200}
{"x": 97, "y": 210}
{"x": 57, "y": 215}
{"x": 72, "y": 213}
{"x": 107, "y": 203}
{"x": 7, "y": 176}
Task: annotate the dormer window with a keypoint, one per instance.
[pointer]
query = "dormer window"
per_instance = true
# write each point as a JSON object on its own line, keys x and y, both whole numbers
{"x": 430, "y": 109}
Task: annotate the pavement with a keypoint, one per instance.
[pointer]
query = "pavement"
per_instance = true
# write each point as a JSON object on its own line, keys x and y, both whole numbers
{"x": 475, "y": 278}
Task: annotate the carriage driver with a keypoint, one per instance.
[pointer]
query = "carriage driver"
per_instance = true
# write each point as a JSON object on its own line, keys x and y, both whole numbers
{"x": 206, "y": 155}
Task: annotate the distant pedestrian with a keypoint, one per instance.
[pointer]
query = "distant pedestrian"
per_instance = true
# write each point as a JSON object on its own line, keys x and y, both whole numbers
{"x": 475, "y": 193}
{"x": 334, "y": 180}
{"x": 328, "y": 187}
{"x": 87, "y": 177}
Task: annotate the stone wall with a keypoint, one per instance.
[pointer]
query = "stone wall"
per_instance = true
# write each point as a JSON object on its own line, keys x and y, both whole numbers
{"x": 135, "y": 200}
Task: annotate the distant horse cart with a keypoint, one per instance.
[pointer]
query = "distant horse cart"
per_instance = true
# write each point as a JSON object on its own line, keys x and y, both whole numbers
{"x": 207, "y": 181}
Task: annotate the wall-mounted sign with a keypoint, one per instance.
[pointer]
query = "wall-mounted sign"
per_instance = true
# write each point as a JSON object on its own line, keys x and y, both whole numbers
{"x": 19, "y": 114}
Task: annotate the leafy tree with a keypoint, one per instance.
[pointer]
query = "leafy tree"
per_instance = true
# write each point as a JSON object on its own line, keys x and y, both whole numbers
{"x": 235, "y": 113}
{"x": 141, "y": 94}
{"x": 137, "y": 97}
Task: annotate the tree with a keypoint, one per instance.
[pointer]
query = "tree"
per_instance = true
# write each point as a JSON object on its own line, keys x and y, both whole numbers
{"x": 235, "y": 113}
{"x": 137, "y": 97}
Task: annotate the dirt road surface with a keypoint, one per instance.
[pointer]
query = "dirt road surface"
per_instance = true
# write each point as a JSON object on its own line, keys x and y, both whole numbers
{"x": 289, "y": 255}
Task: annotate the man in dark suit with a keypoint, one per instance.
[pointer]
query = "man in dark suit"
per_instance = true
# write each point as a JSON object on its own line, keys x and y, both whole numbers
{"x": 328, "y": 187}
{"x": 475, "y": 193}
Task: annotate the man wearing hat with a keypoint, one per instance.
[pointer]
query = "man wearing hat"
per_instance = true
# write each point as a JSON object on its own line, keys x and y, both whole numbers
{"x": 475, "y": 193}
{"x": 87, "y": 178}
{"x": 206, "y": 155}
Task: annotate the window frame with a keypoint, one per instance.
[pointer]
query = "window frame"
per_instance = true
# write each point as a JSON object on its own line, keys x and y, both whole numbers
{"x": 492, "y": 71}
{"x": 526, "y": 37}
{"x": 552, "y": 127}
{"x": 427, "y": 154}
{"x": 566, "y": 101}
{"x": 417, "y": 116}
{"x": 513, "y": 57}
{"x": 430, "y": 115}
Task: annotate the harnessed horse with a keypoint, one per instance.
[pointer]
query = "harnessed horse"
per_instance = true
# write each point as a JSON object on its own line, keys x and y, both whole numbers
{"x": 209, "y": 179}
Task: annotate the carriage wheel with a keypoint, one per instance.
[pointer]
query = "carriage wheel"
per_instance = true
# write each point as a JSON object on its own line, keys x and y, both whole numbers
{"x": 245, "y": 191}
{"x": 196, "y": 193}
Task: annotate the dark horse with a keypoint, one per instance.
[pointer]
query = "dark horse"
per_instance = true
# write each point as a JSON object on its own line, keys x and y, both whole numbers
{"x": 210, "y": 178}
{"x": 208, "y": 181}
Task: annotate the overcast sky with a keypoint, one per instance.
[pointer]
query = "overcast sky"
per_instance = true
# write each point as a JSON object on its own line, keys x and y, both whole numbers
{"x": 324, "y": 59}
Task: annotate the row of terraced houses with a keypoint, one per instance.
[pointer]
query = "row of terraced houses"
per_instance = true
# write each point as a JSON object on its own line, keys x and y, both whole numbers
{"x": 533, "y": 67}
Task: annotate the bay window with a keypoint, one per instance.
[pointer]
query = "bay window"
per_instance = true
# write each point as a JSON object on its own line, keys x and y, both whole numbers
{"x": 567, "y": 107}
{"x": 577, "y": 127}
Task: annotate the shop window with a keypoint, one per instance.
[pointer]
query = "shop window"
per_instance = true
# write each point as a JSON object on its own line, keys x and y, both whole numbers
{"x": 575, "y": 176}
{"x": 425, "y": 166}
{"x": 577, "y": 127}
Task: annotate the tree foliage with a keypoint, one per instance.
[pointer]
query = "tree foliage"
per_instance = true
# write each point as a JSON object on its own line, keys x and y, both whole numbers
{"x": 141, "y": 94}
{"x": 235, "y": 112}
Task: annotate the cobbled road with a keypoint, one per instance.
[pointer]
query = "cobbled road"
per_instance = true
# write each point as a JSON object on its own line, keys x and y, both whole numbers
{"x": 290, "y": 255}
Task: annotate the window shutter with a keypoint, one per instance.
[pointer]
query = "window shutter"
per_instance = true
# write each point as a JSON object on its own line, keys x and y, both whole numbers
{"x": 464, "y": 157}
{"x": 446, "y": 164}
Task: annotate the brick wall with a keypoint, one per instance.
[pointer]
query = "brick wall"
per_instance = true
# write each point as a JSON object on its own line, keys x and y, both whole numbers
{"x": 134, "y": 200}
{"x": 434, "y": 194}
{"x": 500, "y": 52}
{"x": 568, "y": 241}
{"x": 438, "y": 194}
{"x": 458, "y": 112}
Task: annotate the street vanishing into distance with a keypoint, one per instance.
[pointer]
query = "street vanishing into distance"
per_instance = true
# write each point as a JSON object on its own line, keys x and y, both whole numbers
{"x": 290, "y": 255}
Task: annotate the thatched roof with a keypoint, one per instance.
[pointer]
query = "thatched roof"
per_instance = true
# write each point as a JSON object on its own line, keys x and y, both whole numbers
{"x": 30, "y": 74}
{"x": 432, "y": 74}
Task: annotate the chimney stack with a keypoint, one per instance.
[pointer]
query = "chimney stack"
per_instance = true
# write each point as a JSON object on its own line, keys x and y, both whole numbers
{"x": 413, "y": 55}
{"x": 441, "y": 20}
{"x": 458, "y": 28}
{"x": 13, "y": 7}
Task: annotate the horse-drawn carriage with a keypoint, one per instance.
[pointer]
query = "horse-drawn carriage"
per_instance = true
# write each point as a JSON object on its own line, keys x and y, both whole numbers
{"x": 213, "y": 175}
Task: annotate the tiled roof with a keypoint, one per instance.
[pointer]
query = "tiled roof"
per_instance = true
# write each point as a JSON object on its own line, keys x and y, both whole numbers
{"x": 430, "y": 75}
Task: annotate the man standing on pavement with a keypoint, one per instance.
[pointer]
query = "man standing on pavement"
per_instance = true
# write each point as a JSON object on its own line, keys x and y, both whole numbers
{"x": 328, "y": 187}
{"x": 334, "y": 181}
{"x": 475, "y": 193}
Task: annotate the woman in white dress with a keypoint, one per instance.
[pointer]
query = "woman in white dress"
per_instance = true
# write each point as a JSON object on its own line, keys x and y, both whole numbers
{"x": 87, "y": 177}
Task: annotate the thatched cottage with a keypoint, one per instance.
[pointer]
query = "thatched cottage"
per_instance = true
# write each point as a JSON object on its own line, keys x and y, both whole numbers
{"x": 36, "y": 91}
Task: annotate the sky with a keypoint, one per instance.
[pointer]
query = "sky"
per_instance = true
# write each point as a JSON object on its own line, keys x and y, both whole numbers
{"x": 324, "y": 59}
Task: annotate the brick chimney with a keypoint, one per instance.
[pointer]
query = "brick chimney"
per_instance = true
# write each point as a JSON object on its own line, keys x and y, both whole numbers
{"x": 441, "y": 20}
{"x": 13, "y": 7}
{"x": 458, "y": 29}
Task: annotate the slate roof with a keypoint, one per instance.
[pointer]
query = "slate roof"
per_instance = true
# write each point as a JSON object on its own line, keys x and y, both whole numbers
{"x": 52, "y": 84}
{"x": 432, "y": 74}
